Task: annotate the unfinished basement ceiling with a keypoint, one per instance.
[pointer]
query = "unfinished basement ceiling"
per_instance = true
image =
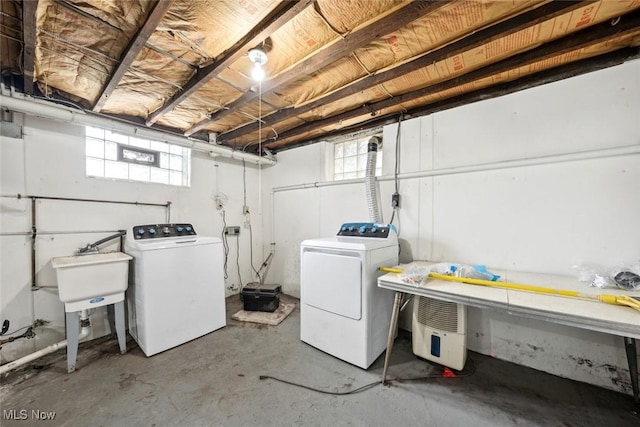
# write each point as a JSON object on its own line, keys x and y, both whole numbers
{"x": 334, "y": 66}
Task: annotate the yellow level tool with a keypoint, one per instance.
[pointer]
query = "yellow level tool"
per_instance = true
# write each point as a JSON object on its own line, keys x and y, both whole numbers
{"x": 606, "y": 298}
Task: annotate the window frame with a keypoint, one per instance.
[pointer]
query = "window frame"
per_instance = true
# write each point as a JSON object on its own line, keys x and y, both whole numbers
{"x": 331, "y": 173}
{"x": 156, "y": 173}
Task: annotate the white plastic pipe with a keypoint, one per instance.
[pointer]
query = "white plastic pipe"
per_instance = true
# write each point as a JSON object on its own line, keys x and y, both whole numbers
{"x": 57, "y": 112}
{"x": 506, "y": 164}
{"x": 84, "y": 332}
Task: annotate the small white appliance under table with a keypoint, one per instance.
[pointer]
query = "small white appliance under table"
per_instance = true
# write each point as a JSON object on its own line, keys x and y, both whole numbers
{"x": 342, "y": 310}
{"x": 177, "y": 292}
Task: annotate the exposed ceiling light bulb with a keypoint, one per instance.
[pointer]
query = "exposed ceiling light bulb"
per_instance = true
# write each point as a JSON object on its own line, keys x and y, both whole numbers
{"x": 259, "y": 57}
{"x": 257, "y": 73}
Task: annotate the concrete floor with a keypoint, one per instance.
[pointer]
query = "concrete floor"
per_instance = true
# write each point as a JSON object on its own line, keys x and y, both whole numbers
{"x": 214, "y": 381}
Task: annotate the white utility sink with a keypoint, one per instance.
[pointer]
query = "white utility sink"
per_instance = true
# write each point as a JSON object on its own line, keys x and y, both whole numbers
{"x": 89, "y": 281}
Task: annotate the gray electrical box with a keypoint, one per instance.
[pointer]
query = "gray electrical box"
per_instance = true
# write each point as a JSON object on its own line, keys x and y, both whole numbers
{"x": 234, "y": 230}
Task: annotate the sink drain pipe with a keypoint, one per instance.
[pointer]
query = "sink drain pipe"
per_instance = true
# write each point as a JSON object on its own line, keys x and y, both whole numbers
{"x": 85, "y": 330}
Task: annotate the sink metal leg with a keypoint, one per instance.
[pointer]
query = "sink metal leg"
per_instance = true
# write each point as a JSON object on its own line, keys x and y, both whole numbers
{"x": 392, "y": 334}
{"x": 119, "y": 320}
{"x": 73, "y": 331}
{"x": 632, "y": 359}
{"x": 112, "y": 319}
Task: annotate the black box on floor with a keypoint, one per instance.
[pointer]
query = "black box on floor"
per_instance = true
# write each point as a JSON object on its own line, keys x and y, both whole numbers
{"x": 261, "y": 297}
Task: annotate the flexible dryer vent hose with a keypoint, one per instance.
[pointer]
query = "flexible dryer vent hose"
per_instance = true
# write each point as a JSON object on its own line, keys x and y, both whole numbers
{"x": 371, "y": 184}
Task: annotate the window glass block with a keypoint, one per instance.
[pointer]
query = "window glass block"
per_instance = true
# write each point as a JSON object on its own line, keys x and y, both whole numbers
{"x": 175, "y": 162}
{"x": 95, "y": 167}
{"x": 110, "y": 150}
{"x": 117, "y": 170}
{"x": 160, "y": 176}
{"x": 139, "y": 172}
{"x": 115, "y": 137}
{"x": 363, "y": 144}
{"x": 95, "y": 148}
{"x": 350, "y": 164}
{"x": 175, "y": 178}
{"x": 159, "y": 146}
{"x": 350, "y": 175}
{"x": 350, "y": 148}
{"x": 137, "y": 142}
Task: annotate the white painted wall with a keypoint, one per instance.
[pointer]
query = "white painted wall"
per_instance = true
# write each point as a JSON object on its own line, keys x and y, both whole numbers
{"x": 542, "y": 218}
{"x": 49, "y": 161}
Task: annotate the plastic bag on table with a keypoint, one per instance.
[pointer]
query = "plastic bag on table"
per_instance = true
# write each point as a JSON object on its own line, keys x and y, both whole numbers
{"x": 477, "y": 272}
{"x": 622, "y": 276}
{"x": 443, "y": 268}
{"x": 414, "y": 274}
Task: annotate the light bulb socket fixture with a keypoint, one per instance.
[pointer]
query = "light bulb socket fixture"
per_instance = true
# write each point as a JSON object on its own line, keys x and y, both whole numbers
{"x": 258, "y": 56}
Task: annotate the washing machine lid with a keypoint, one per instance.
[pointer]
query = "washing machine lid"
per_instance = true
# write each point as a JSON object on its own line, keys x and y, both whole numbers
{"x": 169, "y": 242}
{"x": 351, "y": 243}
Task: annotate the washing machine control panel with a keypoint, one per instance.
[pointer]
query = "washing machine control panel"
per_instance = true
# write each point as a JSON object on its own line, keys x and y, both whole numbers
{"x": 154, "y": 231}
{"x": 365, "y": 229}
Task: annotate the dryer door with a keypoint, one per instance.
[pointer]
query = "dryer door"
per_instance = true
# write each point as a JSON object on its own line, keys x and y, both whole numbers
{"x": 332, "y": 281}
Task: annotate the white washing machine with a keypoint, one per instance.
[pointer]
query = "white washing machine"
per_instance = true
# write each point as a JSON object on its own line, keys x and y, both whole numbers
{"x": 177, "y": 289}
{"x": 343, "y": 312}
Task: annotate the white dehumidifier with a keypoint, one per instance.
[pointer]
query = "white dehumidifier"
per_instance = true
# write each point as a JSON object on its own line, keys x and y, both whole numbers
{"x": 439, "y": 332}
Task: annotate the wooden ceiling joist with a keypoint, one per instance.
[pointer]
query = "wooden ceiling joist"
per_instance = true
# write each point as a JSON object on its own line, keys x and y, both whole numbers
{"x": 502, "y": 29}
{"x": 628, "y": 24}
{"x": 29, "y": 43}
{"x": 132, "y": 50}
{"x": 286, "y": 11}
{"x": 330, "y": 54}
{"x": 540, "y": 78}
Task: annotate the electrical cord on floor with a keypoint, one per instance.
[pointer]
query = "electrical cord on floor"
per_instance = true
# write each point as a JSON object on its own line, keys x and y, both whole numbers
{"x": 446, "y": 373}
{"x": 335, "y": 393}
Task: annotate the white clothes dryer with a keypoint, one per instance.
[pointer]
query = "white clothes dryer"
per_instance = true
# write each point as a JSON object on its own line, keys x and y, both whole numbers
{"x": 343, "y": 312}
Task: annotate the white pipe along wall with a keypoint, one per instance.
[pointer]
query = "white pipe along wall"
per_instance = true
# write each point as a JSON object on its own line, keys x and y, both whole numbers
{"x": 85, "y": 331}
{"x": 533, "y": 181}
{"x": 54, "y": 111}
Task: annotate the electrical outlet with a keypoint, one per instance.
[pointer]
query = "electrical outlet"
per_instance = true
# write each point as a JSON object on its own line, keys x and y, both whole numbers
{"x": 395, "y": 200}
{"x": 233, "y": 230}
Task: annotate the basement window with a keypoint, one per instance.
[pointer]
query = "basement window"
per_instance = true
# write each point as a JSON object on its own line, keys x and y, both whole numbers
{"x": 117, "y": 156}
{"x": 350, "y": 159}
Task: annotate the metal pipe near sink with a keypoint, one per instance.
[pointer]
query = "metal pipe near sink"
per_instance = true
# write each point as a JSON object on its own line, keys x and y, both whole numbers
{"x": 85, "y": 331}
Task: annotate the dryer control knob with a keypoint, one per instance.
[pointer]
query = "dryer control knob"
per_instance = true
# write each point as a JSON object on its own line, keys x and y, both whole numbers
{"x": 374, "y": 230}
{"x": 363, "y": 229}
{"x": 141, "y": 231}
{"x": 188, "y": 229}
{"x": 166, "y": 230}
{"x": 152, "y": 231}
{"x": 179, "y": 229}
